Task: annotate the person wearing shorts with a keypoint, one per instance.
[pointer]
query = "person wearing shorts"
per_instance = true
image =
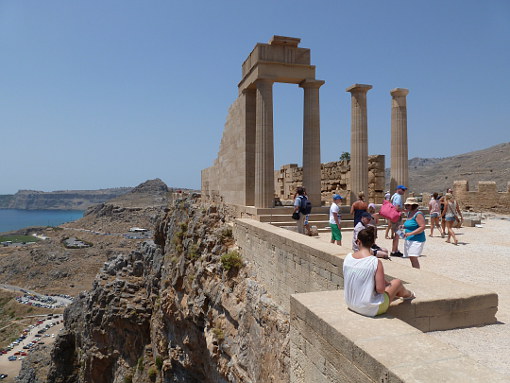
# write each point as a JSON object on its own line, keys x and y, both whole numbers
{"x": 414, "y": 232}
{"x": 334, "y": 220}
{"x": 435, "y": 212}
{"x": 366, "y": 291}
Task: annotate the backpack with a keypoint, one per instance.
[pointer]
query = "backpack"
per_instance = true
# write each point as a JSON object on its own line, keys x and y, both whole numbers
{"x": 306, "y": 205}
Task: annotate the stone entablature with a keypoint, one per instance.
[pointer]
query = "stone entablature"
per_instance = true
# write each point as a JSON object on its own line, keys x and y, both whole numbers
{"x": 335, "y": 178}
{"x": 486, "y": 197}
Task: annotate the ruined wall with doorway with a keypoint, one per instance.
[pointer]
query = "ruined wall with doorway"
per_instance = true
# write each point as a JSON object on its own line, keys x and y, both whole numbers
{"x": 486, "y": 197}
{"x": 335, "y": 178}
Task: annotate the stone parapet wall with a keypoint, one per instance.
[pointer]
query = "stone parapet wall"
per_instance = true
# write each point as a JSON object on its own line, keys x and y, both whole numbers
{"x": 335, "y": 179}
{"x": 486, "y": 197}
{"x": 284, "y": 264}
{"x": 329, "y": 343}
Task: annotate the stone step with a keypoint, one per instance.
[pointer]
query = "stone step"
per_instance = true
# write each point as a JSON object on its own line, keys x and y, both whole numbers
{"x": 349, "y": 224}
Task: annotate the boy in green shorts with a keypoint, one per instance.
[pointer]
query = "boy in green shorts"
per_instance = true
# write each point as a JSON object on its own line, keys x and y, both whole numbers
{"x": 334, "y": 220}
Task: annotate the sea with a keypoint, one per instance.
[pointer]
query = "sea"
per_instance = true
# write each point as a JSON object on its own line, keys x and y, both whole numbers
{"x": 15, "y": 219}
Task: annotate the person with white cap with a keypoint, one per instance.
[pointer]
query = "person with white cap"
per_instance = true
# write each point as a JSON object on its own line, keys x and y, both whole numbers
{"x": 366, "y": 222}
{"x": 334, "y": 220}
{"x": 414, "y": 232}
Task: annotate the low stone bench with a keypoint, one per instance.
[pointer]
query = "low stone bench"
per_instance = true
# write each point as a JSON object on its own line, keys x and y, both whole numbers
{"x": 330, "y": 343}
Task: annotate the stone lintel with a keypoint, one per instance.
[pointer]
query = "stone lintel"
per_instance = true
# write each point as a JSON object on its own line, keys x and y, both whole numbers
{"x": 311, "y": 83}
{"x": 279, "y": 72}
{"x": 284, "y": 40}
{"x": 399, "y": 92}
{"x": 358, "y": 88}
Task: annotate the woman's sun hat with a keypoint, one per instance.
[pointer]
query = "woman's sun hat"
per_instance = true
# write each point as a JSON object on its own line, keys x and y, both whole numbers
{"x": 411, "y": 201}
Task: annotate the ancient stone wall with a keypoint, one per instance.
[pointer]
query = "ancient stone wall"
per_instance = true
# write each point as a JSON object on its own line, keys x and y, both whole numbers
{"x": 230, "y": 163}
{"x": 335, "y": 178}
{"x": 486, "y": 197}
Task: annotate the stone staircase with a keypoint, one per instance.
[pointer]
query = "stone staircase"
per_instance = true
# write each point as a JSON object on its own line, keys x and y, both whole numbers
{"x": 282, "y": 217}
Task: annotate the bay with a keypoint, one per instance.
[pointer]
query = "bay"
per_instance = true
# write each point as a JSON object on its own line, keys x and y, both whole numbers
{"x": 15, "y": 219}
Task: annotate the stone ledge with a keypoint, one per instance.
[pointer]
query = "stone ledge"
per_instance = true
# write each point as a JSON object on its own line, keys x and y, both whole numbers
{"x": 442, "y": 303}
{"x": 330, "y": 343}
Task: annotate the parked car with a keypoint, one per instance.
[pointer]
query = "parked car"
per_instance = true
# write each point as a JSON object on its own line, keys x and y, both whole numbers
{"x": 12, "y": 358}
{"x": 3, "y": 376}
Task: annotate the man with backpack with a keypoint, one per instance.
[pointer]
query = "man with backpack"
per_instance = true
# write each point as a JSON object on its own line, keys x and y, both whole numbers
{"x": 303, "y": 207}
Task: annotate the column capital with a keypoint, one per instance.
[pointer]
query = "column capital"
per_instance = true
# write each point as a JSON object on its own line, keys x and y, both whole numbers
{"x": 311, "y": 83}
{"x": 358, "y": 88}
{"x": 399, "y": 92}
{"x": 249, "y": 90}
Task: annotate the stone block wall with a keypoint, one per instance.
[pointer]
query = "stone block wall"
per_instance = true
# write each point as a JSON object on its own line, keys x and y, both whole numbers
{"x": 335, "y": 178}
{"x": 284, "y": 263}
{"x": 486, "y": 197}
{"x": 226, "y": 179}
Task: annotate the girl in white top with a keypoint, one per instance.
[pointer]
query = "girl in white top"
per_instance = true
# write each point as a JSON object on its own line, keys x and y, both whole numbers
{"x": 365, "y": 289}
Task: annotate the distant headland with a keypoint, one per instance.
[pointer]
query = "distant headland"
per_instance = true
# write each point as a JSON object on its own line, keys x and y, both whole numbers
{"x": 59, "y": 200}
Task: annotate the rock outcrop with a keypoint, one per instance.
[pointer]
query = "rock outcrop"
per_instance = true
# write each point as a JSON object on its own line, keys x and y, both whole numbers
{"x": 175, "y": 310}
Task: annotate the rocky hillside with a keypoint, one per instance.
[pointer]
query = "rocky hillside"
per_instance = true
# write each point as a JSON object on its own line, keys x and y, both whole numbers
{"x": 181, "y": 308}
{"x": 438, "y": 174}
{"x": 59, "y": 200}
{"x": 50, "y": 267}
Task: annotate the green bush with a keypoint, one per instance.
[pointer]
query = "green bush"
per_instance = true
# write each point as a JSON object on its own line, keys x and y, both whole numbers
{"x": 128, "y": 379}
{"x": 153, "y": 373}
{"x": 193, "y": 252}
{"x": 159, "y": 362}
{"x": 218, "y": 334}
{"x": 140, "y": 364}
{"x": 231, "y": 260}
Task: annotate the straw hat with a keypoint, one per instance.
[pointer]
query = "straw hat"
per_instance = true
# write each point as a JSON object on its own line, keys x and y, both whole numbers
{"x": 411, "y": 201}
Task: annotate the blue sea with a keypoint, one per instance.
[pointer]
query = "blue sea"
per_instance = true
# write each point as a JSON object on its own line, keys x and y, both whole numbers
{"x": 14, "y": 219}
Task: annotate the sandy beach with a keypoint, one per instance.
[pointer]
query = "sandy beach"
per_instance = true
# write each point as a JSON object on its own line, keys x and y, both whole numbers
{"x": 482, "y": 257}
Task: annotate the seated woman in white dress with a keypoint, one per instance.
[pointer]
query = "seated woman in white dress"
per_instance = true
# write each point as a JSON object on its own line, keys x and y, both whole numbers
{"x": 365, "y": 289}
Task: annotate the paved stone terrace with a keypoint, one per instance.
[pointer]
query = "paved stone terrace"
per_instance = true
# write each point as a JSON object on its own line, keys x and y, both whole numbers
{"x": 481, "y": 259}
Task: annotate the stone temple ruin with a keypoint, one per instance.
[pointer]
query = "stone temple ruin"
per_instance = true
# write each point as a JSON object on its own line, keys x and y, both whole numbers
{"x": 243, "y": 173}
{"x": 329, "y": 343}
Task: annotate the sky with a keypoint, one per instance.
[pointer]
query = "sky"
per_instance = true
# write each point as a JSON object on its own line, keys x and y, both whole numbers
{"x": 99, "y": 94}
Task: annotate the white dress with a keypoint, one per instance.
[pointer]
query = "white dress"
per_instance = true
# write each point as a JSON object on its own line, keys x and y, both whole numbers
{"x": 359, "y": 285}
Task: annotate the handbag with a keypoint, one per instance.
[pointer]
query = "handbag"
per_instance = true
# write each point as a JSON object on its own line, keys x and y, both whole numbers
{"x": 295, "y": 215}
{"x": 389, "y": 211}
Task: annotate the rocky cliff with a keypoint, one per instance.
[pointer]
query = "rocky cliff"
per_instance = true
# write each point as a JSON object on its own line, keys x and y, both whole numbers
{"x": 179, "y": 309}
{"x": 60, "y": 200}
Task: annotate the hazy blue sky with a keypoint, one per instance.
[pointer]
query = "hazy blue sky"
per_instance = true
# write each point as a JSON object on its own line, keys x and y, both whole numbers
{"x": 97, "y": 94}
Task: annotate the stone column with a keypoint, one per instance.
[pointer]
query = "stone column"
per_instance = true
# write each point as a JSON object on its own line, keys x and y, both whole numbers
{"x": 312, "y": 141}
{"x": 399, "y": 161}
{"x": 249, "y": 104}
{"x": 359, "y": 139}
{"x": 264, "y": 149}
